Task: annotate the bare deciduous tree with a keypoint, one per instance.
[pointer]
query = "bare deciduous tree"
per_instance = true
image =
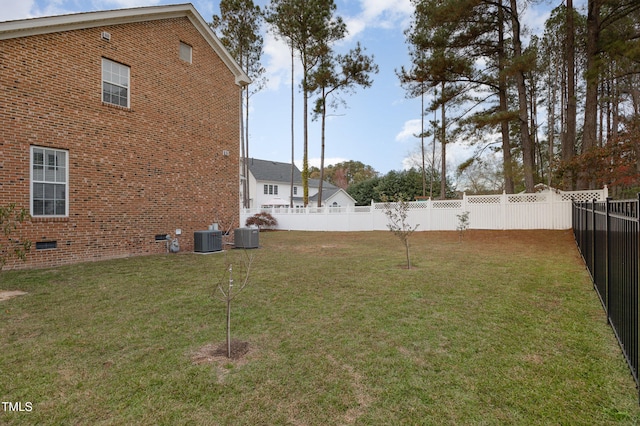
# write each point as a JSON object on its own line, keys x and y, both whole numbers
{"x": 397, "y": 214}
{"x": 232, "y": 283}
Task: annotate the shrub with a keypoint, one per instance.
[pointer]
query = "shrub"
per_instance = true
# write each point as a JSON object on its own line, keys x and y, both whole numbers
{"x": 10, "y": 219}
{"x": 262, "y": 220}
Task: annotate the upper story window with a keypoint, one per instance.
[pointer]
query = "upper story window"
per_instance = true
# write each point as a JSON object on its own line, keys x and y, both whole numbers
{"x": 185, "y": 52}
{"x": 49, "y": 182}
{"x": 271, "y": 189}
{"x": 115, "y": 83}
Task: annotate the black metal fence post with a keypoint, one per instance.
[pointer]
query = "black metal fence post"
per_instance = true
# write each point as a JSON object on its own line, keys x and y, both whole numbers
{"x": 608, "y": 236}
{"x": 608, "y": 256}
{"x": 594, "y": 240}
{"x": 637, "y": 284}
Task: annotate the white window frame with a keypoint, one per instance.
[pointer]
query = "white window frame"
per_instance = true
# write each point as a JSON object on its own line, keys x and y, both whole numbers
{"x": 49, "y": 182}
{"x": 185, "y": 51}
{"x": 118, "y": 75}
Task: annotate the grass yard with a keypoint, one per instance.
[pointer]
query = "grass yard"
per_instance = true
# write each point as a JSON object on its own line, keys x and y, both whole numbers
{"x": 503, "y": 328}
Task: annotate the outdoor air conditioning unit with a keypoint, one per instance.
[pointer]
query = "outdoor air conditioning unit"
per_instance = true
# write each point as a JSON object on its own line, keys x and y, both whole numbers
{"x": 207, "y": 241}
{"x": 246, "y": 237}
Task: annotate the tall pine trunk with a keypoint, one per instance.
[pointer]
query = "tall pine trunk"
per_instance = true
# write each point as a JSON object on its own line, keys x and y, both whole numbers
{"x": 305, "y": 136}
{"x": 507, "y": 161}
{"x": 590, "y": 128}
{"x": 523, "y": 115}
{"x": 322, "y": 134}
{"x": 569, "y": 136}
{"x": 443, "y": 173}
{"x": 292, "y": 128}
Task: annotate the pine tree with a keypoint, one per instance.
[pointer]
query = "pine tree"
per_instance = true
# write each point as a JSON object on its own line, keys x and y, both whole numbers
{"x": 239, "y": 27}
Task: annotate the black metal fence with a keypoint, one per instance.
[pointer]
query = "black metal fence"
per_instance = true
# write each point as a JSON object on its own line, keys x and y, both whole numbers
{"x": 606, "y": 233}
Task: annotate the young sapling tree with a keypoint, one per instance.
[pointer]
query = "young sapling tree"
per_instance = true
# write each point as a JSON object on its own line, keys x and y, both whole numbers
{"x": 232, "y": 283}
{"x": 463, "y": 224}
{"x": 397, "y": 215}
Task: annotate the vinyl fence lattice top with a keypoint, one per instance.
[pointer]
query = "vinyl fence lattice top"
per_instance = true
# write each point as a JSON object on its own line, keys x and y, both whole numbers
{"x": 550, "y": 209}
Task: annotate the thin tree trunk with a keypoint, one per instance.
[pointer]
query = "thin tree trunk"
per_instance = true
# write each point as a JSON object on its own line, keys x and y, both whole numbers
{"x": 569, "y": 136}
{"x": 507, "y": 161}
{"x": 551, "y": 120}
{"x": 292, "y": 129}
{"x": 406, "y": 245}
{"x": 305, "y": 154}
{"x": 246, "y": 152}
{"x": 433, "y": 151}
{"x": 523, "y": 116}
{"x": 242, "y": 150}
{"x": 615, "y": 119}
{"x": 591, "y": 96}
{"x": 424, "y": 171}
{"x": 228, "y": 328}
{"x": 322, "y": 134}
{"x": 443, "y": 173}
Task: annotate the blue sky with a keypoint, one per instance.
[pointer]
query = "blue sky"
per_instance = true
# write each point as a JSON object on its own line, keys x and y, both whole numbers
{"x": 377, "y": 125}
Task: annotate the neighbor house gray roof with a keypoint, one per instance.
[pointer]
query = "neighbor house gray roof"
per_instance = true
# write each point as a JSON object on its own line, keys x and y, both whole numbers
{"x": 274, "y": 171}
{"x": 327, "y": 191}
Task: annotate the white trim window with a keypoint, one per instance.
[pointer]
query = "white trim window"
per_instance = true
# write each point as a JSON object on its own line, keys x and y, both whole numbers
{"x": 185, "y": 52}
{"x": 115, "y": 83}
{"x": 270, "y": 189}
{"x": 49, "y": 182}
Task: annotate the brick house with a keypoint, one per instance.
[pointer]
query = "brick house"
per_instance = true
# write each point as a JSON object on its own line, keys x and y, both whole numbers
{"x": 117, "y": 127}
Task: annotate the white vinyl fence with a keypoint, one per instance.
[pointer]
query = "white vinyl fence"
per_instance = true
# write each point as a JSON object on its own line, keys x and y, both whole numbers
{"x": 541, "y": 210}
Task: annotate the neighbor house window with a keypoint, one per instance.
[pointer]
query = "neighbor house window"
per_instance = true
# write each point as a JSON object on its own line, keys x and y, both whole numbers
{"x": 185, "y": 52}
{"x": 49, "y": 182}
{"x": 271, "y": 189}
{"x": 115, "y": 83}
{"x": 295, "y": 190}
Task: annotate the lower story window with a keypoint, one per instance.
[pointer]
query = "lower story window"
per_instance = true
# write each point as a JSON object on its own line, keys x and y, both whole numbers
{"x": 49, "y": 182}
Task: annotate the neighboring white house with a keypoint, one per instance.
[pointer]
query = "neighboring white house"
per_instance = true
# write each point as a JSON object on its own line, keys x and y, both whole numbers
{"x": 270, "y": 186}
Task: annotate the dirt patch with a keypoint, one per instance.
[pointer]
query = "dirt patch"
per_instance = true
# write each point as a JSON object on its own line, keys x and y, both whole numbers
{"x": 217, "y": 353}
{"x": 6, "y": 295}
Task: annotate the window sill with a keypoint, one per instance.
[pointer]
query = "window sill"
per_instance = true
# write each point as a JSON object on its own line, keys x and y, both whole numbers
{"x": 45, "y": 219}
{"x": 121, "y": 108}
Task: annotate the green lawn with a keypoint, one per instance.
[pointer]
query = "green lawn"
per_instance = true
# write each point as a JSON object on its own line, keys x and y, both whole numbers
{"x": 503, "y": 328}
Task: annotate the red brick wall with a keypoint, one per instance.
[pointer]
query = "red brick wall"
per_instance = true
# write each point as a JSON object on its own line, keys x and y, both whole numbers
{"x": 133, "y": 173}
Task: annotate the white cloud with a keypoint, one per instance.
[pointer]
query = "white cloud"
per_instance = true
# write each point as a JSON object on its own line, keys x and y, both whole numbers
{"x": 372, "y": 14}
{"x": 23, "y": 9}
{"x": 12, "y": 9}
{"x": 409, "y": 130}
{"x": 278, "y": 63}
{"x": 534, "y": 19}
{"x": 121, "y": 4}
{"x": 386, "y": 14}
